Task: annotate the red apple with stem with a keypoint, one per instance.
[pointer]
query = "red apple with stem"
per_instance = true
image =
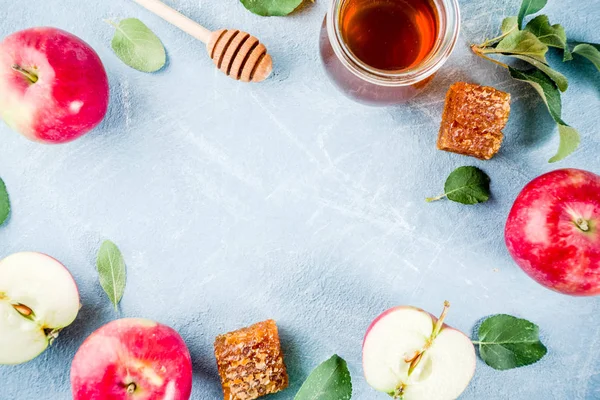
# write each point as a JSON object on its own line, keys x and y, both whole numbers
{"x": 132, "y": 358}
{"x": 553, "y": 231}
{"x": 53, "y": 86}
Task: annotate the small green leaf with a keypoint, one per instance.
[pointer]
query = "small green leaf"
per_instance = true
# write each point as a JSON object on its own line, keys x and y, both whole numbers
{"x": 136, "y": 45}
{"x": 561, "y": 81}
{"x": 329, "y": 381}
{"x": 590, "y": 52}
{"x": 268, "y": 8}
{"x": 529, "y": 7}
{"x": 551, "y": 35}
{"x": 509, "y": 24}
{"x": 466, "y": 185}
{"x": 507, "y": 342}
{"x": 569, "y": 142}
{"x": 548, "y": 91}
{"x": 522, "y": 43}
{"x": 111, "y": 271}
{"x": 4, "y": 203}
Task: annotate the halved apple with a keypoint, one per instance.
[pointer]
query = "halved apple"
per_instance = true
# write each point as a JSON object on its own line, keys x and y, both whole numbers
{"x": 38, "y": 297}
{"x": 412, "y": 355}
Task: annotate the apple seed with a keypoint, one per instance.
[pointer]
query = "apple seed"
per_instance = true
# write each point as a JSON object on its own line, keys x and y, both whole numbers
{"x": 23, "y": 310}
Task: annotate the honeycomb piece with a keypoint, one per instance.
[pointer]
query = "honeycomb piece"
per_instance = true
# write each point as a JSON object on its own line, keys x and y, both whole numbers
{"x": 473, "y": 119}
{"x": 250, "y": 362}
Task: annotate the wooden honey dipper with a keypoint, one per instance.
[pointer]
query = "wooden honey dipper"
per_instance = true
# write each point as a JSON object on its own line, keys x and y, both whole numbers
{"x": 238, "y": 54}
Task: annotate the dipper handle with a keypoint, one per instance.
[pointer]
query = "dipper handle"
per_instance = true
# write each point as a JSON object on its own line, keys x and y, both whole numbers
{"x": 176, "y": 18}
{"x": 238, "y": 54}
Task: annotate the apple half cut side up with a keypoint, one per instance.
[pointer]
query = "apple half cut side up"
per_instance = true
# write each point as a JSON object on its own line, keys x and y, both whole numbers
{"x": 38, "y": 297}
{"x": 411, "y": 355}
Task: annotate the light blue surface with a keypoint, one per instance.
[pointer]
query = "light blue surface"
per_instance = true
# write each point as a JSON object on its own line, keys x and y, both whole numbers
{"x": 235, "y": 203}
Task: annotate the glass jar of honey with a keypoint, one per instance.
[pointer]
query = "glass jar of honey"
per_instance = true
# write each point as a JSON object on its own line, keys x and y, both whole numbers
{"x": 384, "y": 52}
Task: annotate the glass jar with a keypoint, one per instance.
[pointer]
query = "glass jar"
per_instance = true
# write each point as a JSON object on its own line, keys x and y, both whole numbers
{"x": 375, "y": 86}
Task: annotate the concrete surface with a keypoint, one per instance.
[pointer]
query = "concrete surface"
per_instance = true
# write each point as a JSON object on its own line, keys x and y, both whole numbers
{"x": 236, "y": 203}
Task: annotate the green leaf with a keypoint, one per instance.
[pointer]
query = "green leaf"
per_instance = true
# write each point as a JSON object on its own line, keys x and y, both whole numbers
{"x": 4, "y": 203}
{"x": 548, "y": 91}
{"x": 509, "y": 24}
{"x": 507, "y": 342}
{"x": 561, "y": 81}
{"x": 111, "y": 271}
{"x": 545, "y": 87}
{"x": 521, "y": 43}
{"x": 588, "y": 51}
{"x": 137, "y": 46}
{"x": 551, "y": 35}
{"x": 268, "y": 8}
{"x": 569, "y": 142}
{"x": 329, "y": 381}
{"x": 529, "y": 7}
{"x": 466, "y": 185}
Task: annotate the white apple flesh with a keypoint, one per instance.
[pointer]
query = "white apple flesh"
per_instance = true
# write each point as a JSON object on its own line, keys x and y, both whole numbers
{"x": 38, "y": 297}
{"x": 411, "y": 355}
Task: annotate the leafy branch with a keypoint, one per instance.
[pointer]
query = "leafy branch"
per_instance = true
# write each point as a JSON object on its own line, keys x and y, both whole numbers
{"x": 530, "y": 45}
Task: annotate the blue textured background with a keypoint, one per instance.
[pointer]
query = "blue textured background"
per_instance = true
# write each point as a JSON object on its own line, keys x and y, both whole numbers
{"x": 235, "y": 203}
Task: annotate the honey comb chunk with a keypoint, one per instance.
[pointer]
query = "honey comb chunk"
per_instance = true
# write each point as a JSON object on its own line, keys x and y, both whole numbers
{"x": 473, "y": 119}
{"x": 250, "y": 362}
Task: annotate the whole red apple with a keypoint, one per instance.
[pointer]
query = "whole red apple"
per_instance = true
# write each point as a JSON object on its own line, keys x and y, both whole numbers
{"x": 131, "y": 359}
{"x": 53, "y": 87}
{"x": 553, "y": 231}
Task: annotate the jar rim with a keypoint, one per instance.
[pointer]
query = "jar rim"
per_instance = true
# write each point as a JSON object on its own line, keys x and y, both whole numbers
{"x": 449, "y": 21}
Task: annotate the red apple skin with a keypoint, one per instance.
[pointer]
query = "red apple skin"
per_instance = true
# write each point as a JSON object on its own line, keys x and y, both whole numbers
{"x": 70, "y": 96}
{"x": 543, "y": 236}
{"x": 128, "y": 351}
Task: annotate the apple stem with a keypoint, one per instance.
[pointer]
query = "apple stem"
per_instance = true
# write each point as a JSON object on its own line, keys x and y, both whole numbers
{"x": 131, "y": 388}
{"x": 418, "y": 356}
{"x": 582, "y": 224}
{"x": 31, "y": 77}
{"x": 432, "y": 199}
{"x": 440, "y": 321}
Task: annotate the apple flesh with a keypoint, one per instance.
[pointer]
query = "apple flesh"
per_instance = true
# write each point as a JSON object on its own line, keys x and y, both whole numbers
{"x": 131, "y": 359}
{"x": 38, "y": 297}
{"x": 411, "y": 355}
{"x": 53, "y": 86}
{"x": 553, "y": 231}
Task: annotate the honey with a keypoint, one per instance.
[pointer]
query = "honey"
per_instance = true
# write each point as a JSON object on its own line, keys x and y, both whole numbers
{"x": 385, "y": 52}
{"x": 389, "y": 34}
